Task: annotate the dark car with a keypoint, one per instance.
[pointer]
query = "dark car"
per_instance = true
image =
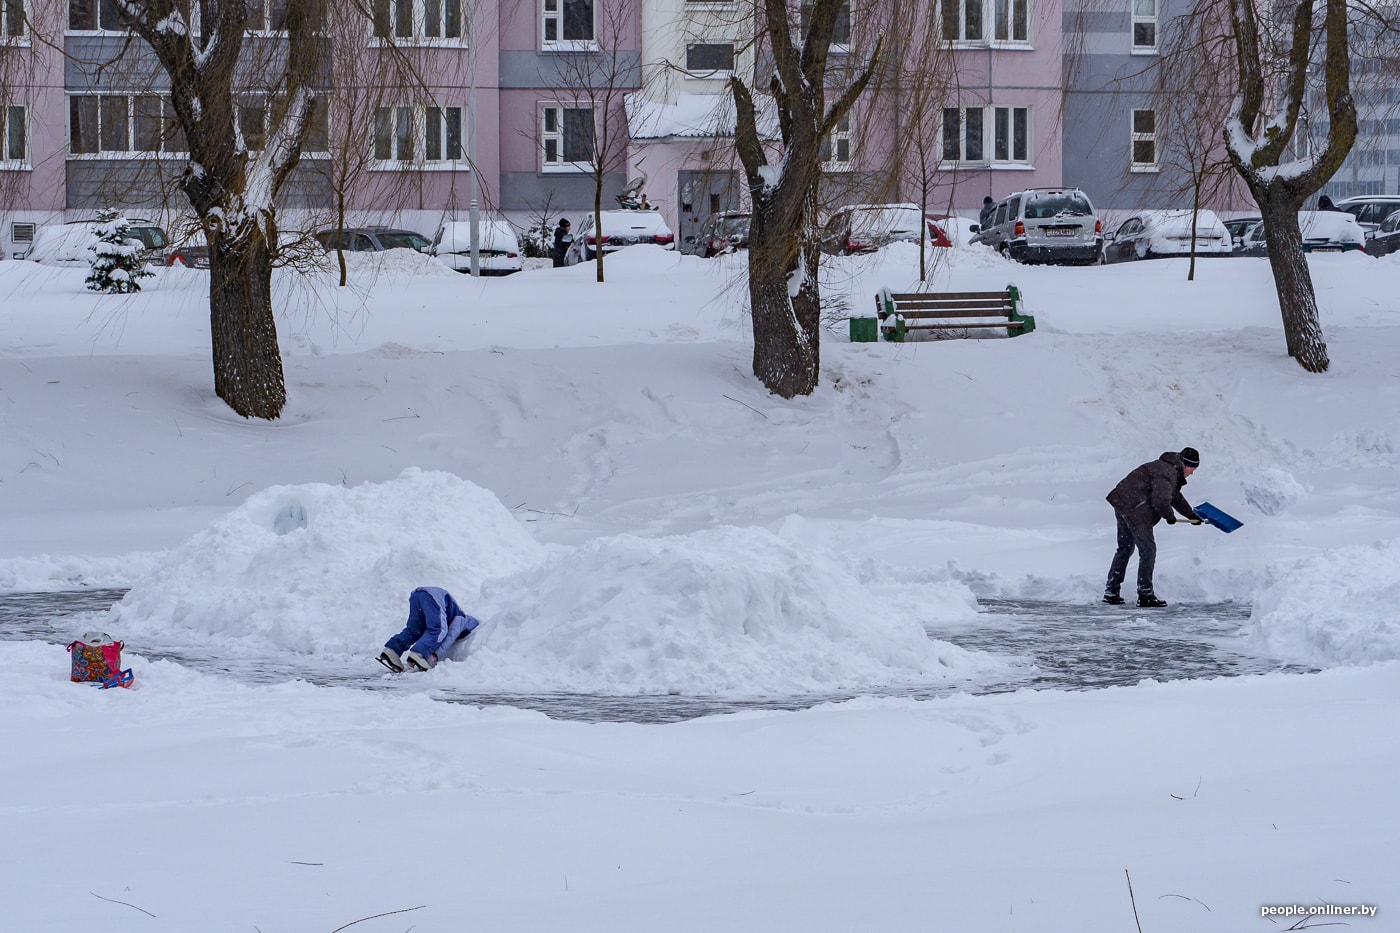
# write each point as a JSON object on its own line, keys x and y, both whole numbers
{"x": 1385, "y": 239}
{"x": 1166, "y": 233}
{"x": 190, "y": 256}
{"x": 722, "y": 233}
{"x": 371, "y": 239}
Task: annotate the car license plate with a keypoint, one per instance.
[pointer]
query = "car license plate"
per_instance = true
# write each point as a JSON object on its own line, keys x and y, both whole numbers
{"x": 1060, "y": 231}
{"x": 1327, "y": 249}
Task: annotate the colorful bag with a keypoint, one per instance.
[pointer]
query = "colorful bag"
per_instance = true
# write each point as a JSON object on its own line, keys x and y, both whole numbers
{"x": 97, "y": 658}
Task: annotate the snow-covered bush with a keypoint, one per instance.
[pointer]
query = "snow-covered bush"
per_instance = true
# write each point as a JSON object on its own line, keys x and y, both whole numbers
{"x": 117, "y": 265}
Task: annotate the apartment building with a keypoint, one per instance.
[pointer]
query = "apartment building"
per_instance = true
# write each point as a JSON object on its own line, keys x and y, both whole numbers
{"x": 525, "y": 106}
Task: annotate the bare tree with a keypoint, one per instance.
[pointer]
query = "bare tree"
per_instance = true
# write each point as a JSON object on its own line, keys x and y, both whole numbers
{"x": 232, "y": 188}
{"x": 1261, "y": 133}
{"x": 591, "y": 87}
{"x": 785, "y": 301}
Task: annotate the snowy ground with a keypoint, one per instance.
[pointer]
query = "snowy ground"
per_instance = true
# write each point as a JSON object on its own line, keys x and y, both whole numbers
{"x": 593, "y": 471}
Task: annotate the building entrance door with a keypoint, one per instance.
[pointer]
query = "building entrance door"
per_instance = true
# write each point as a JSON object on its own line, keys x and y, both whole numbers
{"x": 699, "y": 195}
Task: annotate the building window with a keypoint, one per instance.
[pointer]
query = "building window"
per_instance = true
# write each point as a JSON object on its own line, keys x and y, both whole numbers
{"x": 92, "y": 15}
{"x": 419, "y": 135}
{"x": 566, "y": 137}
{"x": 568, "y": 22}
{"x": 836, "y": 149}
{"x": 123, "y": 123}
{"x": 1144, "y": 25}
{"x": 964, "y": 22}
{"x": 255, "y": 116}
{"x": 267, "y": 15}
{"x": 16, "y": 20}
{"x": 841, "y": 30}
{"x": 1011, "y": 134}
{"x": 965, "y": 132}
{"x": 14, "y": 135}
{"x": 416, "y": 19}
{"x": 1144, "y": 140}
{"x": 710, "y": 59}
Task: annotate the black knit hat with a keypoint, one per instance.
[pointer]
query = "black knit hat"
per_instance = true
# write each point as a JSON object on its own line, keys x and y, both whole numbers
{"x": 1189, "y": 457}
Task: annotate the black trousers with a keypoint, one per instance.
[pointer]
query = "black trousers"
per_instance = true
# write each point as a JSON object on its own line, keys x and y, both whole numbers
{"x": 1132, "y": 535}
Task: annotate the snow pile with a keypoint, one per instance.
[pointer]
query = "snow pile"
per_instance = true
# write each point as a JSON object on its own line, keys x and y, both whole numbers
{"x": 390, "y": 262}
{"x": 1337, "y": 607}
{"x": 725, "y": 610}
{"x": 326, "y": 569}
{"x": 1273, "y": 491}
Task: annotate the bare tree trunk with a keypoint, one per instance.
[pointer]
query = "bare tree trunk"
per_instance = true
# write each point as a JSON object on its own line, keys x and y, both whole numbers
{"x": 247, "y": 362}
{"x": 598, "y": 225}
{"x": 1293, "y": 281}
{"x": 786, "y": 344}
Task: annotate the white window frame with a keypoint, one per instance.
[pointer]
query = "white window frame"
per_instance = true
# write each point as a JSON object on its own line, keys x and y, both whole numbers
{"x": 131, "y": 152}
{"x": 991, "y": 123}
{"x": 841, "y": 133}
{"x": 1135, "y": 137}
{"x": 552, "y": 11}
{"x": 419, "y": 116}
{"x": 557, "y": 136}
{"x": 269, "y": 103}
{"x": 1141, "y": 18}
{"x": 265, "y": 7}
{"x": 996, "y": 17}
{"x": 6, "y": 115}
{"x": 22, "y": 37}
{"x": 418, "y": 26}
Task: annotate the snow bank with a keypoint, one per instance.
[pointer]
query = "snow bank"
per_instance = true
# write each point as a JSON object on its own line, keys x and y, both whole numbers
{"x": 1338, "y": 607}
{"x": 326, "y": 569}
{"x": 725, "y": 610}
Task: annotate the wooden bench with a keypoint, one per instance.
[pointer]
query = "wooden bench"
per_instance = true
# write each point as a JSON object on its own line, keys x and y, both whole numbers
{"x": 948, "y": 314}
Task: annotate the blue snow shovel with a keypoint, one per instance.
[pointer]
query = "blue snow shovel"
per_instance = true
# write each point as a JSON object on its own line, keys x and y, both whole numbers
{"x": 1222, "y": 520}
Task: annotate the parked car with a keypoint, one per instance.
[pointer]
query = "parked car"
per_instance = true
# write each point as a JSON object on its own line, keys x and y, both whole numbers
{"x": 1056, "y": 225}
{"x": 498, "y": 249}
{"x": 958, "y": 230}
{"x": 937, "y": 235}
{"x": 371, "y": 239}
{"x": 67, "y": 244}
{"x": 1370, "y": 210}
{"x": 191, "y": 256}
{"x": 1323, "y": 232}
{"x": 1239, "y": 226}
{"x": 1385, "y": 239}
{"x": 619, "y": 229}
{"x": 1161, "y": 234}
{"x": 721, "y": 233}
{"x": 864, "y": 228}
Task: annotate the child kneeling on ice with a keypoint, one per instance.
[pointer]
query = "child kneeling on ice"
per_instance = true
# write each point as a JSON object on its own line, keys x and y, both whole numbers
{"x": 435, "y": 624}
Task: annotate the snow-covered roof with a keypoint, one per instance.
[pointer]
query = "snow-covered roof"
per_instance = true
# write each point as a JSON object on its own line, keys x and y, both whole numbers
{"x": 693, "y": 116}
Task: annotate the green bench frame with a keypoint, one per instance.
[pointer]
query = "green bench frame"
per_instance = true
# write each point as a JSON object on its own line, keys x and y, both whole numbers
{"x": 900, "y": 313}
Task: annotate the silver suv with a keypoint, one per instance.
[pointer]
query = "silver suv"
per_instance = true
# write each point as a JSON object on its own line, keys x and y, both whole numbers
{"x": 1045, "y": 225}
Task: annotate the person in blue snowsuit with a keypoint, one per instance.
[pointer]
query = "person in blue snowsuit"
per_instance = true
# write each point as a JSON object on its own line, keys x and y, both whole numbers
{"x": 435, "y": 623}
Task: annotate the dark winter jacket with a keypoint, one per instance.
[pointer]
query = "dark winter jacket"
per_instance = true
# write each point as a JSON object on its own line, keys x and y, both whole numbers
{"x": 1148, "y": 494}
{"x": 562, "y": 239}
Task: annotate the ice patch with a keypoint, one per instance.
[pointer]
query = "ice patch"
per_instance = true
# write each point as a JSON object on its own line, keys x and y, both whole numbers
{"x": 1338, "y": 607}
{"x": 1273, "y": 491}
{"x": 722, "y": 611}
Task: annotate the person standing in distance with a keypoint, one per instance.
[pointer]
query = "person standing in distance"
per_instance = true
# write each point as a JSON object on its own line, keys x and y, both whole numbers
{"x": 562, "y": 239}
{"x": 988, "y": 208}
{"x": 1144, "y": 497}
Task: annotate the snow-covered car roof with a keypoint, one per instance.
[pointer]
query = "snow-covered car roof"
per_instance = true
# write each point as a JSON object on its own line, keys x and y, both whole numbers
{"x": 1168, "y": 221}
{"x": 456, "y": 236}
{"x": 1333, "y": 226}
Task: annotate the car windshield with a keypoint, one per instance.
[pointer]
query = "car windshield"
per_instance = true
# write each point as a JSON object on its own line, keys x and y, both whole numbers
{"x": 733, "y": 227}
{"x": 398, "y": 240}
{"x": 886, "y": 220}
{"x": 1054, "y": 204}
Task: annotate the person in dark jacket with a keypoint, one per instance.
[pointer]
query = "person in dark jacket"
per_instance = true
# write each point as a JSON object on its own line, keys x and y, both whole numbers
{"x": 1324, "y": 203}
{"x": 1145, "y": 496}
{"x": 562, "y": 239}
{"x": 435, "y": 624}
{"x": 988, "y": 208}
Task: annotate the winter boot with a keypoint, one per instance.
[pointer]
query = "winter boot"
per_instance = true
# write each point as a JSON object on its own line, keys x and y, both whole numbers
{"x": 1149, "y": 601}
{"x": 1113, "y": 599}
{"x": 390, "y": 659}
{"x": 414, "y": 661}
